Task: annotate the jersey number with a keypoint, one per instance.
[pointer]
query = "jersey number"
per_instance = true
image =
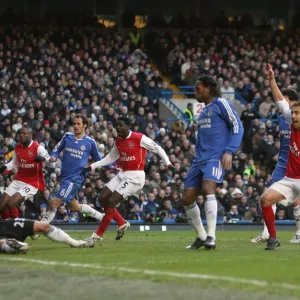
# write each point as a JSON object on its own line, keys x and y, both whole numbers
{"x": 26, "y": 189}
{"x": 124, "y": 185}
{"x": 21, "y": 224}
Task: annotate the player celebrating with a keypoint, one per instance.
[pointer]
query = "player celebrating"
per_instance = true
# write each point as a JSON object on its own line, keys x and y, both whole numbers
{"x": 27, "y": 157}
{"x": 13, "y": 233}
{"x": 287, "y": 189}
{"x": 76, "y": 151}
{"x": 129, "y": 151}
{"x": 289, "y": 95}
{"x": 220, "y": 133}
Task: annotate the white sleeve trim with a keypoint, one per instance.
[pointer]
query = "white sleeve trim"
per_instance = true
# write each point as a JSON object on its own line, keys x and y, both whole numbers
{"x": 231, "y": 115}
{"x": 43, "y": 152}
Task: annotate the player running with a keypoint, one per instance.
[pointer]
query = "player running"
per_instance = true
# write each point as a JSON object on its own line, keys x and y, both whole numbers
{"x": 220, "y": 133}
{"x": 76, "y": 148}
{"x": 26, "y": 159}
{"x": 13, "y": 233}
{"x": 129, "y": 151}
{"x": 289, "y": 95}
{"x": 287, "y": 189}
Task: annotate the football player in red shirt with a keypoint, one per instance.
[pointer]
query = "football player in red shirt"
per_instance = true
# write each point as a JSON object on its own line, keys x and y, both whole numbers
{"x": 27, "y": 159}
{"x": 287, "y": 190}
{"x": 129, "y": 151}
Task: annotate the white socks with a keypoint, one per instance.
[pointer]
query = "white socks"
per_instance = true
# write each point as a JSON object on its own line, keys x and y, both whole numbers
{"x": 297, "y": 218}
{"x": 211, "y": 210}
{"x": 265, "y": 231}
{"x": 59, "y": 235}
{"x": 91, "y": 212}
{"x": 193, "y": 215}
{"x": 48, "y": 218}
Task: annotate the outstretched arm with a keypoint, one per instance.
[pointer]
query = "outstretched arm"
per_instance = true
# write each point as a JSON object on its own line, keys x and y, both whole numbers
{"x": 108, "y": 159}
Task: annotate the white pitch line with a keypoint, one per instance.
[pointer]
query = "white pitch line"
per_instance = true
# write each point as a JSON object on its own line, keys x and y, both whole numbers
{"x": 253, "y": 282}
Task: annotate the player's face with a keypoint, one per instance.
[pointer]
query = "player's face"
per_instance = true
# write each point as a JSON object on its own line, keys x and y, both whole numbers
{"x": 122, "y": 129}
{"x": 202, "y": 92}
{"x": 25, "y": 135}
{"x": 296, "y": 116}
{"x": 79, "y": 128}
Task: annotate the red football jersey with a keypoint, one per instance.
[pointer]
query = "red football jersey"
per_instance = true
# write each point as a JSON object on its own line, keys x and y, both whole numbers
{"x": 293, "y": 165}
{"x": 29, "y": 171}
{"x": 132, "y": 155}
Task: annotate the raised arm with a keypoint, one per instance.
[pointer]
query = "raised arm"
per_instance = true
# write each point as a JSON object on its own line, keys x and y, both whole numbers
{"x": 277, "y": 95}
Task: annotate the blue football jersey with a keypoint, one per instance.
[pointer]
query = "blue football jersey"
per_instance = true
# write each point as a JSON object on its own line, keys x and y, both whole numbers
{"x": 285, "y": 134}
{"x": 219, "y": 130}
{"x": 76, "y": 153}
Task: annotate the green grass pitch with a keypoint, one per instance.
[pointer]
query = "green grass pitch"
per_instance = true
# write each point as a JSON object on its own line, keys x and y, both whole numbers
{"x": 235, "y": 268}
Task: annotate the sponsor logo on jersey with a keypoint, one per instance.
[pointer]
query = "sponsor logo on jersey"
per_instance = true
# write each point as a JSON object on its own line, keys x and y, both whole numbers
{"x": 130, "y": 145}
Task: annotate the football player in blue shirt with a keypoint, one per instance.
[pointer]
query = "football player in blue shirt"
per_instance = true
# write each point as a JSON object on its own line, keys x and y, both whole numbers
{"x": 220, "y": 133}
{"x": 76, "y": 148}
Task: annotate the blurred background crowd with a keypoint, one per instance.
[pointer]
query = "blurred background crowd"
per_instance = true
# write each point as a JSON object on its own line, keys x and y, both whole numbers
{"x": 48, "y": 74}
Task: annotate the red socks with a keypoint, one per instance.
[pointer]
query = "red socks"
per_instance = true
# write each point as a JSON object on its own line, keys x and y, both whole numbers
{"x": 269, "y": 219}
{"x": 109, "y": 215}
{"x": 117, "y": 217}
{"x": 12, "y": 213}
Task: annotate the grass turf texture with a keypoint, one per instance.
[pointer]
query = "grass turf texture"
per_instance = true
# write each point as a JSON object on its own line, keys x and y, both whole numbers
{"x": 237, "y": 266}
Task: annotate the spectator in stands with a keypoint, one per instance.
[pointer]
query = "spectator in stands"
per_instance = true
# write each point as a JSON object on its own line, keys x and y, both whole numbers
{"x": 188, "y": 113}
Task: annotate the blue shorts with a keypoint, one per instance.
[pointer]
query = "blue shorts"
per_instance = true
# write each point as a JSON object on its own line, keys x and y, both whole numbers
{"x": 278, "y": 174}
{"x": 67, "y": 191}
{"x": 211, "y": 170}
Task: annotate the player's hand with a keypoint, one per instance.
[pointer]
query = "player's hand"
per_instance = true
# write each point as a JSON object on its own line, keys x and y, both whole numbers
{"x": 52, "y": 159}
{"x": 2, "y": 168}
{"x": 227, "y": 161}
{"x": 270, "y": 73}
{"x": 172, "y": 169}
{"x": 86, "y": 170}
{"x": 39, "y": 158}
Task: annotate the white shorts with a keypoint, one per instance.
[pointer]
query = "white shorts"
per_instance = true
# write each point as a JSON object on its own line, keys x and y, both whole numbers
{"x": 26, "y": 190}
{"x": 127, "y": 183}
{"x": 289, "y": 188}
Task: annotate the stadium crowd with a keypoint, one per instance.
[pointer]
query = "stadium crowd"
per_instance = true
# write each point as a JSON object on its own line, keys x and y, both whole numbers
{"x": 47, "y": 76}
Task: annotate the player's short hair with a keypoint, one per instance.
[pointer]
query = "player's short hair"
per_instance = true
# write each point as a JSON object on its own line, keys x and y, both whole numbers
{"x": 292, "y": 94}
{"x": 125, "y": 120}
{"x": 27, "y": 127}
{"x": 209, "y": 82}
{"x": 85, "y": 120}
{"x": 296, "y": 104}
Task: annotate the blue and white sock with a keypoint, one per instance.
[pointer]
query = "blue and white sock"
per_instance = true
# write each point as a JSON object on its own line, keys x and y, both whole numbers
{"x": 211, "y": 210}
